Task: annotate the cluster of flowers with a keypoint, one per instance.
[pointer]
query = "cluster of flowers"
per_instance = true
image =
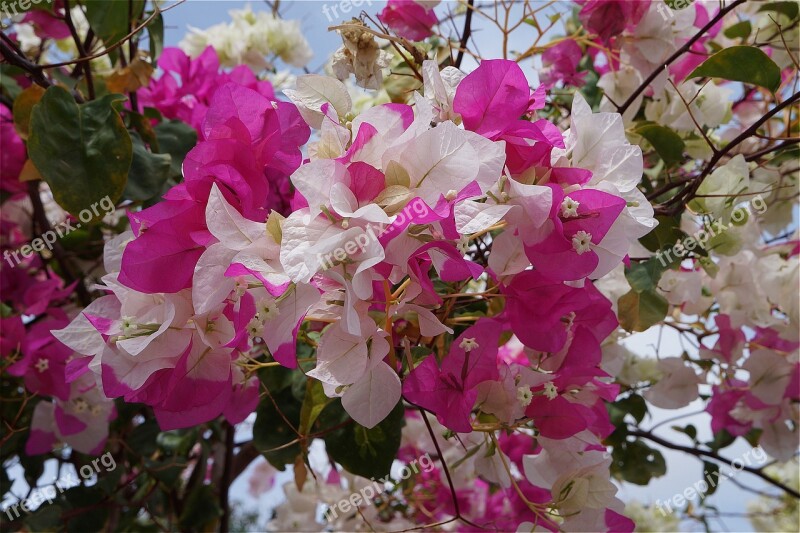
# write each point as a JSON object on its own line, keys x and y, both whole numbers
{"x": 745, "y": 291}
{"x": 214, "y": 274}
{"x": 255, "y": 39}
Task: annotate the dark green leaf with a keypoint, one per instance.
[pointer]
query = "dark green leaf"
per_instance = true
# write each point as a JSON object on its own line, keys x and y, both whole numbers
{"x": 638, "y": 311}
{"x": 175, "y": 138}
{"x": 271, "y": 431}
{"x": 689, "y": 431}
{"x": 83, "y": 152}
{"x": 201, "y": 509}
{"x": 8, "y": 82}
{"x": 314, "y": 402}
{"x": 93, "y": 518}
{"x": 740, "y": 30}
{"x": 644, "y": 276}
{"x": 143, "y": 437}
{"x": 710, "y": 471}
{"x": 721, "y": 439}
{"x": 747, "y": 64}
{"x": 361, "y": 451}
{"x": 155, "y": 31}
{"x": 109, "y": 20}
{"x": 790, "y": 9}
{"x": 46, "y": 518}
{"x": 149, "y": 172}
{"x": 665, "y": 141}
{"x": 637, "y": 463}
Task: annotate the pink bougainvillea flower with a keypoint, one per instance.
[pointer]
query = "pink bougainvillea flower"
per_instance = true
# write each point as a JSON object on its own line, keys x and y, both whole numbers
{"x": 609, "y": 18}
{"x": 408, "y": 18}
{"x": 729, "y": 344}
{"x": 561, "y": 64}
{"x": 580, "y": 221}
{"x": 449, "y": 389}
{"x": 80, "y": 420}
{"x": 185, "y": 88}
{"x": 545, "y": 314}
{"x": 492, "y": 99}
{"x": 12, "y": 156}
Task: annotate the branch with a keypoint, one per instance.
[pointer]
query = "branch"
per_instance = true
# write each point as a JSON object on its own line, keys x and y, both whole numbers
{"x": 683, "y": 49}
{"x": 227, "y": 479}
{"x": 688, "y": 192}
{"x": 465, "y": 34}
{"x": 712, "y": 455}
{"x": 40, "y": 217}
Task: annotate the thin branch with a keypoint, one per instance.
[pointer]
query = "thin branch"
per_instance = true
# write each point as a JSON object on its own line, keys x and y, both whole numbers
{"x": 653, "y": 75}
{"x": 712, "y": 455}
{"x": 465, "y": 34}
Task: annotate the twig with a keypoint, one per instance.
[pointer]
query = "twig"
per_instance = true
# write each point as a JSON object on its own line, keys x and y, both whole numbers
{"x": 653, "y": 75}
{"x": 465, "y": 34}
{"x": 227, "y": 478}
{"x": 703, "y": 453}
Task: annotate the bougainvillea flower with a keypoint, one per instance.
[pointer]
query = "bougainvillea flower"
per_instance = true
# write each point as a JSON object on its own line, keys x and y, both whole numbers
{"x": 449, "y": 389}
{"x": 408, "y": 18}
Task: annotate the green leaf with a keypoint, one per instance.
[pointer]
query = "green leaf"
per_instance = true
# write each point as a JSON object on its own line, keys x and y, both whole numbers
{"x": 23, "y": 106}
{"x": 665, "y": 141}
{"x": 361, "y": 451}
{"x": 175, "y": 138}
{"x": 665, "y": 235}
{"x": 638, "y": 311}
{"x": 689, "y": 431}
{"x": 637, "y": 463}
{"x": 143, "y": 437}
{"x": 747, "y": 64}
{"x": 721, "y": 440}
{"x": 155, "y": 32}
{"x": 46, "y": 518}
{"x": 314, "y": 402}
{"x": 92, "y": 517}
{"x": 790, "y": 9}
{"x": 740, "y": 30}
{"x": 149, "y": 172}
{"x": 109, "y": 20}
{"x": 271, "y": 431}
{"x": 83, "y": 152}
{"x": 201, "y": 509}
{"x": 8, "y": 82}
{"x": 643, "y": 276}
{"x": 710, "y": 471}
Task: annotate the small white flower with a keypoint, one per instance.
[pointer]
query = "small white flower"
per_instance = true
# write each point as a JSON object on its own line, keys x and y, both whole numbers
{"x": 42, "y": 365}
{"x": 267, "y": 309}
{"x": 468, "y": 344}
{"x": 254, "y": 327}
{"x": 524, "y": 396}
{"x": 581, "y": 241}
{"x": 550, "y": 390}
{"x": 569, "y": 207}
{"x": 463, "y": 244}
{"x": 129, "y": 325}
{"x": 79, "y": 405}
{"x": 451, "y": 194}
{"x": 95, "y": 410}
